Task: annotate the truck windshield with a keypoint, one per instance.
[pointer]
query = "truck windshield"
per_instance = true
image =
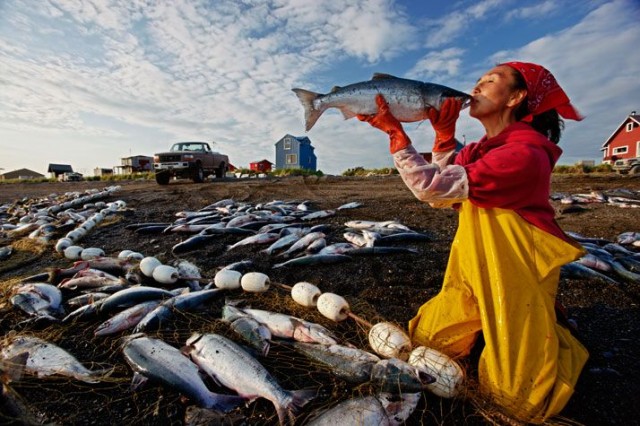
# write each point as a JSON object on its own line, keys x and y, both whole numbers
{"x": 189, "y": 147}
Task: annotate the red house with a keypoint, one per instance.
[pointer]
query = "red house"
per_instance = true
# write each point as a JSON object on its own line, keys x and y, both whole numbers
{"x": 624, "y": 143}
{"x": 261, "y": 166}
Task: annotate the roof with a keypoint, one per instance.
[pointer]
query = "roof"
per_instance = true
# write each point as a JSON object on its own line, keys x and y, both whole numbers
{"x": 59, "y": 168}
{"x": 301, "y": 139}
{"x": 632, "y": 117}
{"x": 261, "y": 161}
{"x": 21, "y": 172}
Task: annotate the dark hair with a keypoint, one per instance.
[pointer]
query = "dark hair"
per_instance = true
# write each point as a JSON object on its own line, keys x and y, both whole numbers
{"x": 547, "y": 123}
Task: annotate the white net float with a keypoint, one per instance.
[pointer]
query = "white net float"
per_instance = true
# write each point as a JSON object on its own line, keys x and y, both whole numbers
{"x": 333, "y": 306}
{"x": 255, "y": 282}
{"x": 227, "y": 278}
{"x": 73, "y": 252}
{"x": 305, "y": 294}
{"x": 389, "y": 341}
{"x": 124, "y": 253}
{"x": 134, "y": 255}
{"x": 148, "y": 264}
{"x": 91, "y": 253}
{"x": 448, "y": 373}
{"x": 165, "y": 274}
{"x": 62, "y": 244}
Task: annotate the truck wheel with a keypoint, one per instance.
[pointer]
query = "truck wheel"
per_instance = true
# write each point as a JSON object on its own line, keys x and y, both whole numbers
{"x": 635, "y": 170}
{"x": 198, "y": 174}
{"x": 162, "y": 178}
{"x": 221, "y": 171}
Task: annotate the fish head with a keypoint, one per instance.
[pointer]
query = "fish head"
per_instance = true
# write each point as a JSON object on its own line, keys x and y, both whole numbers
{"x": 399, "y": 407}
{"x": 395, "y": 375}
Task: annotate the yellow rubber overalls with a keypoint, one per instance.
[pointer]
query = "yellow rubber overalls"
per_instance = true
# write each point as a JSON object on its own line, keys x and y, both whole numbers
{"x": 501, "y": 280}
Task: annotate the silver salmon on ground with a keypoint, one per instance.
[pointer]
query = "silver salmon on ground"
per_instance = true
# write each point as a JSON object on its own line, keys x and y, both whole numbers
{"x": 381, "y": 410}
{"x": 47, "y": 359}
{"x": 235, "y": 369}
{"x": 409, "y": 100}
{"x": 155, "y": 359}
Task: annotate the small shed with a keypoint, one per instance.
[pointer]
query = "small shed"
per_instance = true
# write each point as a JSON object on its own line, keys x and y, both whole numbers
{"x": 295, "y": 152}
{"x": 101, "y": 171}
{"x": 624, "y": 142}
{"x": 262, "y": 166}
{"x": 56, "y": 170}
{"x": 21, "y": 174}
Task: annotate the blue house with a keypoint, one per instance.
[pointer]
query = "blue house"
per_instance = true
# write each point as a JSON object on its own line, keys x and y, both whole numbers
{"x": 295, "y": 152}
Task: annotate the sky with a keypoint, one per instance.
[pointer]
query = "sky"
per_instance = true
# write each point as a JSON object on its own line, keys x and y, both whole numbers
{"x": 88, "y": 82}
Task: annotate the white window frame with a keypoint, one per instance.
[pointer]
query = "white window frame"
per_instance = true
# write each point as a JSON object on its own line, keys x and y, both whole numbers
{"x": 620, "y": 150}
{"x": 630, "y": 126}
{"x": 638, "y": 149}
{"x": 291, "y": 159}
{"x": 287, "y": 144}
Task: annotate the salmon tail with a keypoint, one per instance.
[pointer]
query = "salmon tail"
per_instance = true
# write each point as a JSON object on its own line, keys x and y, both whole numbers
{"x": 311, "y": 114}
{"x": 298, "y": 399}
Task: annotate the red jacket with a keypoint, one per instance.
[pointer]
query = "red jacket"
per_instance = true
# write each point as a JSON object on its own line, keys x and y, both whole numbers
{"x": 513, "y": 171}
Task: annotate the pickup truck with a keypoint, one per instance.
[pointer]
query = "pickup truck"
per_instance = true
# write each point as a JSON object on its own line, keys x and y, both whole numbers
{"x": 192, "y": 160}
{"x": 628, "y": 165}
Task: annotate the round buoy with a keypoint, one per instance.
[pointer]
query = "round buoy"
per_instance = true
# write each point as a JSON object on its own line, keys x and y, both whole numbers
{"x": 305, "y": 294}
{"x": 62, "y": 244}
{"x": 255, "y": 282}
{"x": 91, "y": 253}
{"x": 333, "y": 306}
{"x": 73, "y": 252}
{"x": 148, "y": 264}
{"x": 448, "y": 373}
{"x": 389, "y": 341}
{"x": 124, "y": 253}
{"x": 165, "y": 274}
{"x": 227, "y": 278}
{"x": 134, "y": 255}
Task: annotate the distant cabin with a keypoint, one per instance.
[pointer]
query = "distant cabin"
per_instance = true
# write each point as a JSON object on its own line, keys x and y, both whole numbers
{"x": 624, "y": 142}
{"x": 295, "y": 152}
{"x": 101, "y": 171}
{"x": 135, "y": 164}
{"x": 261, "y": 166}
{"x": 21, "y": 174}
{"x": 56, "y": 170}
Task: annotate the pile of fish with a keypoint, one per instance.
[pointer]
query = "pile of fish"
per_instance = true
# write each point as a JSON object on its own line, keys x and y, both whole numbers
{"x": 615, "y": 262}
{"x": 103, "y": 287}
{"x": 284, "y": 228}
{"x": 625, "y": 198}
{"x": 43, "y": 219}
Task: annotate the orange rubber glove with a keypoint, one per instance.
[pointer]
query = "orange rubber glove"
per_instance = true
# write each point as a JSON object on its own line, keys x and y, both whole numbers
{"x": 386, "y": 122}
{"x": 444, "y": 124}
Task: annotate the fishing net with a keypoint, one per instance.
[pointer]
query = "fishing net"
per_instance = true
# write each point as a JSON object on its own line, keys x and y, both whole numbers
{"x": 113, "y": 400}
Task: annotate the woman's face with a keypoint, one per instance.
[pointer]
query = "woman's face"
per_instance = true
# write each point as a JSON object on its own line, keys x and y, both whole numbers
{"x": 494, "y": 93}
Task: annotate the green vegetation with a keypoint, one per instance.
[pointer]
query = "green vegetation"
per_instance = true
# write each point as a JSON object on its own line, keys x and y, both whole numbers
{"x": 361, "y": 171}
{"x": 579, "y": 168}
{"x": 281, "y": 172}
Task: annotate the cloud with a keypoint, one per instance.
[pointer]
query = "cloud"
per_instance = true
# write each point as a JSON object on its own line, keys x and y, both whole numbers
{"x": 537, "y": 11}
{"x": 446, "y": 30}
{"x": 440, "y": 64}
{"x": 589, "y": 62}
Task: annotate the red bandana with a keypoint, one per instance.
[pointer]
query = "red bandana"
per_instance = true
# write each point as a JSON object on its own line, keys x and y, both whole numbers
{"x": 544, "y": 92}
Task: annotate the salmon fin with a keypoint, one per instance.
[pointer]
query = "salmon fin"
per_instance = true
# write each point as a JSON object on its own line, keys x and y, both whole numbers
{"x": 347, "y": 114}
{"x": 311, "y": 114}
{"x": 227, "y": 403}
{"x": 137, "y": 381}
{"x": 299, "y": 398}
{"x": 382, "y": 76}
{"x": 13, "y": 367}
{"x": 335, "y": 89}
